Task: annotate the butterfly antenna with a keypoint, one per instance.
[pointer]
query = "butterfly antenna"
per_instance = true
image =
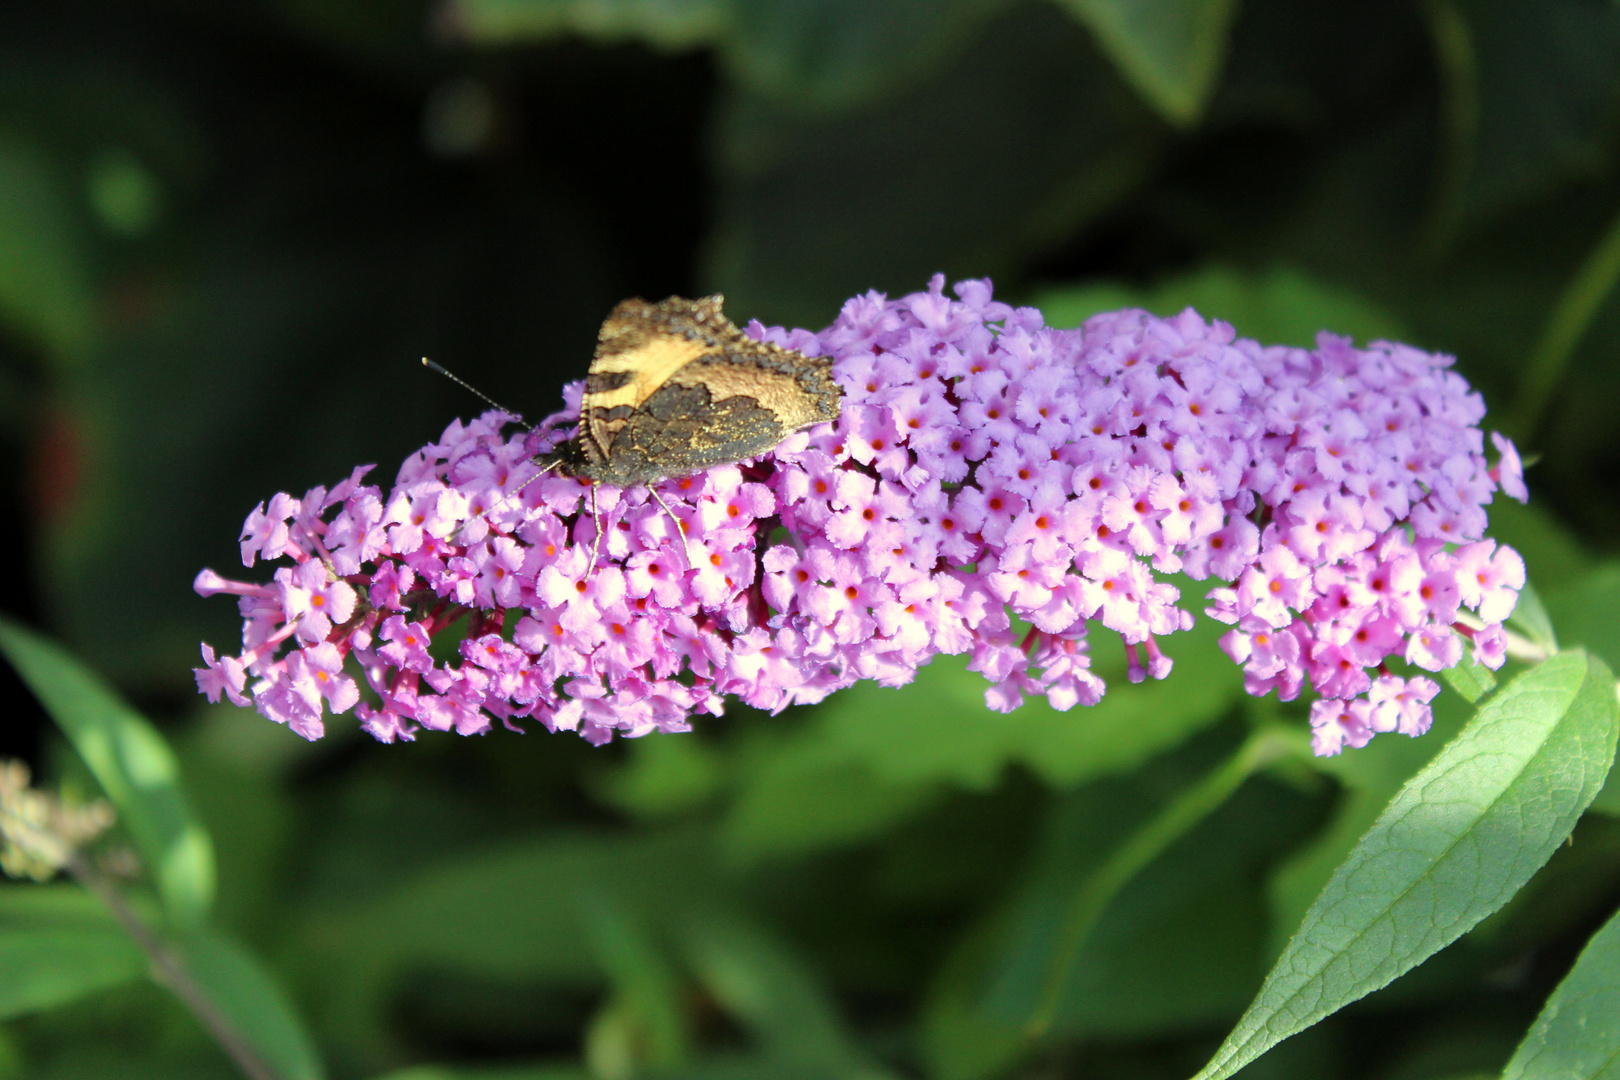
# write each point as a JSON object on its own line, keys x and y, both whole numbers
{"x": 473, "y": 390}
{"x": 455, "y": 537}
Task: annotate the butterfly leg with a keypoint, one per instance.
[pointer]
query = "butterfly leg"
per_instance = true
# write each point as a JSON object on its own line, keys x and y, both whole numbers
{"x": 596, "y": 541}
{"x": 680, "y": 527}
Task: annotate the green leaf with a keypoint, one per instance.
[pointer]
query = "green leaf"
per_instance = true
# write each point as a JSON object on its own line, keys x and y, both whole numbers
{"x": 873, "y": 755}
{"x": 1101, "y": 939}
{"x": 665, "y": 777}
{"x": 1180, "y": 945}
{"x": 59, "y": 905}
{"x": 42, "y": 967}
{"x": 503, "y": 1072}
{"x": 1470, "y": 678}
{"x": 806, "y": 801}
{"x": 536, "y": 903}
{"x": 818, "y": 54}
{"x": 663, "y": 24}
{"x": 1577, "y": 1035}
{"x": 124, "y": 193}
{"x": 45, "y": 289}
{"x": 130, "y": 761}
{"x": 839, "y": 53}
{"x": 58, "y": 943}
{"x": 1583, "y": 610}
{"x": 527, "y": 893}
{"x": 1280, "y": 306}
{"x": 1530, "y": 618}
{"x": 528, "y": 929}
{"x": 960, "y": 1040}
{"x": 1568, "y": 896}
{"x": 1170, "y": 50}
{"x": 750, "y": 1067}
{"x": 646, "y": 987}
{"x": 245, "y": 992}
{"x": 771, "y": 992}
{"x": 1371, "y": 777}
{"x": 1455, "y": 845}
{"x": 246, "y": 811}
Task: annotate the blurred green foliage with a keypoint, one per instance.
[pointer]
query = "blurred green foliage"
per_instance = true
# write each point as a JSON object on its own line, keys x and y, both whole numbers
{"x": 228, "y": 231}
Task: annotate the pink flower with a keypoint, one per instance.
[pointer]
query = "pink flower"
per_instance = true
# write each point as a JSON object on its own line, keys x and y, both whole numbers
{"x": 1403, "y": 704}
{"x": 406, "y": 645}
{"x": 1490, "y": 582}
{"x": 1490, "y": 646}
{"x": 985, "y": 468}
{"x": 1336, "y": 724}
{"x": 313, "y": 598}
{"x": 1509, "y": 472}
{"x": 225, "y": 676}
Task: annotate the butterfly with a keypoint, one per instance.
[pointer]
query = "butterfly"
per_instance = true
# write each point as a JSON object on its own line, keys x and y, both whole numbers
{"x": 676, "y": 388}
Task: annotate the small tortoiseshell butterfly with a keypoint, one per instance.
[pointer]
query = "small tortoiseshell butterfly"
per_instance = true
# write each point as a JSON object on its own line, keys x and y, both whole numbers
{"x": 676, "y": 388}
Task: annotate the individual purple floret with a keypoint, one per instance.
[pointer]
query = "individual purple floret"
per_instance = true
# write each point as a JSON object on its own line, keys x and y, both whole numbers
{"x": 992, "y": 488}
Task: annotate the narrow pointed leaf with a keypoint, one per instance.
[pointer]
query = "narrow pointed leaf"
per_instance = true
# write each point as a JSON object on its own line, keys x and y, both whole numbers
{"x": 254, "y": 1004}
{"x": 1470, "y": 678}
{"x": 1169, "y": 50}
{"x": 773, "y": 994}
{"x": 1454, "y": 845}
{"x": 1530, "y": 618}
{"x": 644, "y": 981}
{"x": 476, "y": 1072}
{"x": 41, "y": 968}
{"x": 1577, "y": 1035}
{"x": 130, "y": 761}
{"x": 817, "y": 53}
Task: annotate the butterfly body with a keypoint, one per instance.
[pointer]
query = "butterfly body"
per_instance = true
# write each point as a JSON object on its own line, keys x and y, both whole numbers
{"x": 676, "y": 388}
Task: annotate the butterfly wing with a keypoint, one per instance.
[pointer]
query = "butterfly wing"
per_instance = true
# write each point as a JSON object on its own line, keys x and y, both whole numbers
{"x": 676, "y": 388}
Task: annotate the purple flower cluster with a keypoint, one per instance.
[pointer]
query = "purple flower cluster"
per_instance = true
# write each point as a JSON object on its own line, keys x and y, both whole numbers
{"x": 992, "y": 487}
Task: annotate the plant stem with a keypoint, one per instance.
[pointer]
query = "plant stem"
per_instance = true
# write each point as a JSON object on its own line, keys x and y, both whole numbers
{"x": 1091, "y": 899}
{"x": 169, "y": 970}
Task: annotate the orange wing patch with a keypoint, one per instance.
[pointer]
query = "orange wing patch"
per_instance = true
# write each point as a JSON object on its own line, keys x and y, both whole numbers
{"x": 648, "y": 363}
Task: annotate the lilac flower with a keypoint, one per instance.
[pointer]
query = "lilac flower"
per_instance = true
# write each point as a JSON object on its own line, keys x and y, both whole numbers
{"x": 993, "y": 488}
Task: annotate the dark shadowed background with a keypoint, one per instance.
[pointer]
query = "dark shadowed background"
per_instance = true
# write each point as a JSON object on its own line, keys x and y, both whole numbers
{"x": 229, "y": 231}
